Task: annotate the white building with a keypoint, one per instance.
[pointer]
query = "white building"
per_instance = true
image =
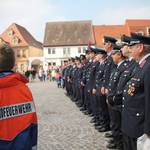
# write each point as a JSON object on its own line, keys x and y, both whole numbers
{"x": 66, "y": 39}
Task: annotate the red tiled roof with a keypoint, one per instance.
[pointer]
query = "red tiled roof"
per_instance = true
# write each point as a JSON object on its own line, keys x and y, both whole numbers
{"x": 26, "y": 39}
{"x": 138, "y": 22}
{"x": 109, "y": 30}
{"x": 135, "y": 25}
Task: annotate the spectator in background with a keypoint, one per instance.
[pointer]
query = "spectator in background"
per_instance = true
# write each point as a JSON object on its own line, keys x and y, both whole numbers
{"x": 58, "y": 78}
{"x": 53, "y": 75}
{"x": 27, "y": 74}
{"x": 49, "y": 75}
{"x": 33, "y": 74}
{"x": 44, "y": 75}
{"x": 40, "y": 74}
{"x": 63, "y": 69}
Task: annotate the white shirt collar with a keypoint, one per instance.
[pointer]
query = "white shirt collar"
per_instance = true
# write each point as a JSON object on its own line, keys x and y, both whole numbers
{"x": 120, "y": 63}
{"x": 147, "y": 55}
{"x": 101, "y": 61}
{"x": 130, "y": 58}
{"x": 109, "y": 53}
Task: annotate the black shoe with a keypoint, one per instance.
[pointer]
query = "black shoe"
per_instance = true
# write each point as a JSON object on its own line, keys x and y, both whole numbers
{"x": 93, "y": 120}
{"x": 111, "y": 146}
{"x": 97, "y": 124}
{"x": 67, "y": 94}
{"x": 91, "y": 115}
{"x": 104, "y": 129}
{"x": 75, "y": 99}
{"x": 111, "y": 141}
{"x": 86, "y": 112}
{"x": 82, "y": 109}
{"x": 119, "y": 146}
{"x": 99, "y": 127}
{"x": 72, "y": 98}
{"x": 108, "y": 135}
{"x": 80, "y": 105}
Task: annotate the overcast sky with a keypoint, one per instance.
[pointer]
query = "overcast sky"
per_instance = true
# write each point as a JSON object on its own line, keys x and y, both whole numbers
{"x": 33, "y": 14}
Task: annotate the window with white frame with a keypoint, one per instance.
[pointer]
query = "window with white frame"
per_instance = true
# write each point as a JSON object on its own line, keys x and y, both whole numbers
{"x": 84, "y": 49}
{"x": 49, "y": 50}
{"x": 53, "y": 51}
{"x": 15, "y": 40}
{"x": 10, "y": 33}
{"x": 64, "y": 51}
{"x": 19, "y": 53}
{"x": 148, "y": 31}
{"x": 24, "y": 53}
{"x": 69, "y": 51}
{"x": 79, "y": 50}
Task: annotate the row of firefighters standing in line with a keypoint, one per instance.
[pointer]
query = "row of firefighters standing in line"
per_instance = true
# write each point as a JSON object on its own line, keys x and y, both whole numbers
{"x": 112, "y": 85}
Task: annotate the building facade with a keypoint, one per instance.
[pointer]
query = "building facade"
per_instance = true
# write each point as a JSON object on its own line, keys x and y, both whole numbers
{"x": 28, "y": 51}
{"x": 57, "y": 55}
{"x": 131, "y": 25}
{"x": 63, "y": 40}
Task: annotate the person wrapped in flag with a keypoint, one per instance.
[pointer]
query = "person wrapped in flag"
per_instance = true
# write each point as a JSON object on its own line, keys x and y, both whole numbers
{"x": 18, "y": 119}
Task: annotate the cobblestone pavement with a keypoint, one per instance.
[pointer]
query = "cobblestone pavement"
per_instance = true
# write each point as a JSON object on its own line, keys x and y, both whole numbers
{"x": 61, "y": 125}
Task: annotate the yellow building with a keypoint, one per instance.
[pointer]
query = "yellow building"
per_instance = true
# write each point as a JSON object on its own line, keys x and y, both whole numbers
{"x": 28, "y": 51}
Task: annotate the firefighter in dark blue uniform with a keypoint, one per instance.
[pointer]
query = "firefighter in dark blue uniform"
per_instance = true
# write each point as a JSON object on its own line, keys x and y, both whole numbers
{"x": 80, "y": 76}
{"x": 85, "y": 68}
{"x": 136, "y": 97}
{"x": 116, "y": 142}
{"x": 87, "y": 82}
{"x": 91, "y": 82}
{"x": 108, "y": 45}
{"x": 99, "y": 118}
{"x": 67, "y": 84}
{"x": 77, "y": 79}
{"x": 115, "y": 110}
{"x": 71, "y": 79}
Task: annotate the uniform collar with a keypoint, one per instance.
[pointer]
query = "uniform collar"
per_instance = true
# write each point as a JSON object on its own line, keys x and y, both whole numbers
{"x": 131, "y": 58}
{"x": 141, "y": 61}
{"x": 109, "y": 54}
{"x": 102, "y": 61}
{"x": 120, "y": 63}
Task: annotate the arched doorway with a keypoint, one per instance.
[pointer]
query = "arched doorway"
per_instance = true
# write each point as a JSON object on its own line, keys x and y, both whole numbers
{"x": 36, "y": 64}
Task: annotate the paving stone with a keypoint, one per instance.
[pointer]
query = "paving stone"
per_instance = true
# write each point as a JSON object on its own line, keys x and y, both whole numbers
{"x": 61, "y": 125}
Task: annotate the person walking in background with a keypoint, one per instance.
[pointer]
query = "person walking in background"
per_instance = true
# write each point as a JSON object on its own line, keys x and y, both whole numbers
{"x": 63, "y": 70}
{"x": 33, "y": 74}
{"x": 44, "y": 75}
{"x": 40, "y": 74}
{"x": 27, "y": 73}
{"x": 53, "y": 75}
{"x": 58, "y": 78}
{"x": 49, "y": 75}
